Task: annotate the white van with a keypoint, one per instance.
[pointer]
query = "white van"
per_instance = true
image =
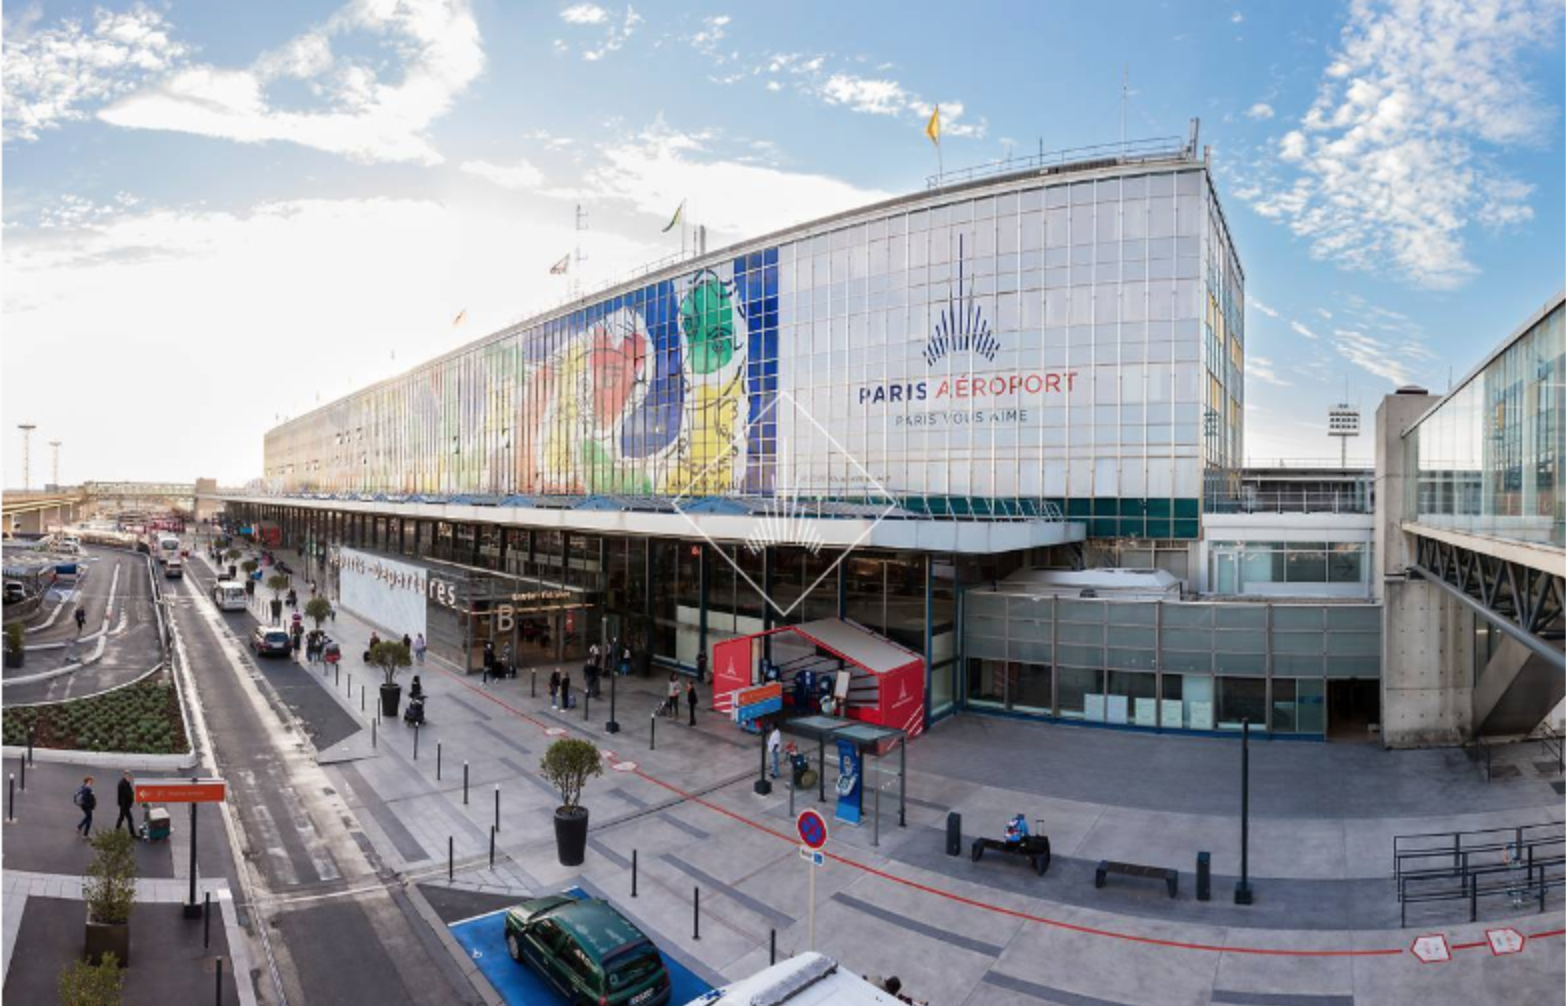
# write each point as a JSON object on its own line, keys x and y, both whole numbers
{"x": 229, "y": 595}
{"x": 174, "y": 568}
{"x": 809, "y": 979}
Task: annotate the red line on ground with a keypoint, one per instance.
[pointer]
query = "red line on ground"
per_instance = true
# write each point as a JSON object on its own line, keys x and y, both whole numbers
{"x": 952, "y": 895}
{"x": 1471, "y": 946}
{"x": 1547, "y": 934}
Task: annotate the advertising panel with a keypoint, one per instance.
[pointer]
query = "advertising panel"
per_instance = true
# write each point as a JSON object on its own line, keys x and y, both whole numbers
{"x": 384, "y": 591}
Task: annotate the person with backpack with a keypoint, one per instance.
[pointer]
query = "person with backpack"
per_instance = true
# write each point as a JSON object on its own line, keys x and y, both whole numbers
{"x": 125, "y": 796}
{"x": 81, "y": 619}
{"x": 87, "y": 800}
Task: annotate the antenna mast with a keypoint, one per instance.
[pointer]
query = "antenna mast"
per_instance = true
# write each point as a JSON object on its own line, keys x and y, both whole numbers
{"x": 27, "y": 454}
{"x": 55, "y": 447}
{"x": 576, "y": 255}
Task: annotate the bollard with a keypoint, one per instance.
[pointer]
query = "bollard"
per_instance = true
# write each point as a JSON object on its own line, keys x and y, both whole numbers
{"x": 587, "y": 702}
{"x": 350, "y": 684}
{"x": 532, "y": 690}
{"x": 219, "y": 999}
{"x": 415, "y": 742}
{"x": 451, "y": 858}
{"x": 29, "y": 745}
{"x": 24, "y": 773}
{"x": 497, "y": 806}
{"x": 464, "y": 784}
{"x": 773, "y": 955}
{"x": 492, "y": 848}
{"x": 206, "y": 921}
{"x": 337, "y": 675}
{"x": 361, "y": 700}
{"x": 652, "y": 736}
{"x": 696, "y": 913}
{"x": 374, "y": 732}
{"x": 10, "y": 806}
{"x": 633, "y": 873}
{"x": 438, "y": 745}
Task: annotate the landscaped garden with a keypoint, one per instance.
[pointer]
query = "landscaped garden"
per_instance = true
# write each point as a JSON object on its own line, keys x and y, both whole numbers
{"x": 143, "y": 718}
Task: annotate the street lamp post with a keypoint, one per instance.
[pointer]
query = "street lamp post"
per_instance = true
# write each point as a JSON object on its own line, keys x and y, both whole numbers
{"x": 1242, "y": 890}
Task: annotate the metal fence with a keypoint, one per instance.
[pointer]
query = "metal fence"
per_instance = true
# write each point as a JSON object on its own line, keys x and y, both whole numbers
{"x": 1521, "y": 864}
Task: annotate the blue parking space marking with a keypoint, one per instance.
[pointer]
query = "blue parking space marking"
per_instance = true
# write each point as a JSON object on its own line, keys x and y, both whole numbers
{"x": 484, "y": 939}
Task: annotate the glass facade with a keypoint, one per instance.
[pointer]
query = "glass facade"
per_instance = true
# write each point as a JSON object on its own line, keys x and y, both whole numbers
{"x": 1292, "y": 568}
{"x": 1166, "y": 665}
{"x": 1075, "y": 339}
{"x": 1488, "y": 456}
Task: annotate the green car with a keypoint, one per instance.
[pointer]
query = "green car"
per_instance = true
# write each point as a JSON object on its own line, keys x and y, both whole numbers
{"x": 588, "y": 951}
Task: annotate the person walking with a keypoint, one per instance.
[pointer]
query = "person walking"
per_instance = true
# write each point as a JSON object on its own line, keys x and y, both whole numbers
{"x": 125, "y": 796}
{"x": 87, "y": 800}
{"x": 701, "y": 667}
{"x": 775, "y": 747}
{"x": 81, "y": 619}
{"x": 419, "y": 646}
{"x": 489, "y": 658}
{"x": 408, "y": 642}
{"x": 671, "y": 702}
{"x": 505, "y": 661}
{"x": 565, "y": 691}
{"x": 691, "y": 698}
{"x": 554, "y": 689}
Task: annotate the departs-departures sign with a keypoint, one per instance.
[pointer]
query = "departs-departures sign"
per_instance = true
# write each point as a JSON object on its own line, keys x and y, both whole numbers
{"x": 191, "y": 791}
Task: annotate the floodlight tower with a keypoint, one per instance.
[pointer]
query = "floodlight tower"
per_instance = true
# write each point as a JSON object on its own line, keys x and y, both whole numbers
{"x": 54, "y": 464}
{"x": 27, "y": 454}
{"x": 1343, "y": 422}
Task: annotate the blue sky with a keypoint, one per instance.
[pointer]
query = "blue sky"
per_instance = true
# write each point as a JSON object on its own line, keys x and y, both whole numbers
{"x": 220, "y": 214}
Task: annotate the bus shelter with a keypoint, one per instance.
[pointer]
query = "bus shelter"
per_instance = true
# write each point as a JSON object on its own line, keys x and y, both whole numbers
{"x": 868, "y": 739}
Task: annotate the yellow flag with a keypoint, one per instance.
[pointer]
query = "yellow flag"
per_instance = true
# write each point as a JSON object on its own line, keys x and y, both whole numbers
{"x": 932, "y": 129}
{"x": 462, "y": 316}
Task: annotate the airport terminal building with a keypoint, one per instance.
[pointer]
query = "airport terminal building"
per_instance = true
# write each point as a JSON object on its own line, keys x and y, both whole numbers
{"x": 901, "y": 416}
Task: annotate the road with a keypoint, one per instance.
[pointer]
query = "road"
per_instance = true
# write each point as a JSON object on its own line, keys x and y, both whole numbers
{"x": 342, "y": 930}
{"x": 118, "y": 583}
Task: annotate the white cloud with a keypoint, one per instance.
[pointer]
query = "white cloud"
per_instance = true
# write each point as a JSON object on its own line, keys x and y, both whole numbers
{"x": 1390, "y": 166}
{"x": 363, "y": 117}
{"x": 712, "y": 32}
{"x": 1260, "y": 110}
{"x": 615, "y": 32}
{"x": 1302, "y": 330}
{"x": 1236, "y": 17}
{"x": 1370, "y": 355}
{"x": 61, "y": 74}
{"x": 658, "y": 169}
{"x": 1261, "y": 369}
{"x": 1323, "y": 312}
{"x": 521, "y": 175}
{"x": 131, "y": 289}
{"x": 879, "y": 96}
{"x": 1263, "y": 308}
{"x": 584, "y": 13}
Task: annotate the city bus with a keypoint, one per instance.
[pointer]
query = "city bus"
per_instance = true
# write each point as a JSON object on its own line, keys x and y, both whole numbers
{"x": 229, "y": 595}
{"x": 167, "y": 548}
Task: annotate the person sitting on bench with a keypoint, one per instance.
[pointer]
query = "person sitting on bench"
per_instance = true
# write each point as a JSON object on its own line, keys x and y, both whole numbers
{"x": 1017, "y": 830}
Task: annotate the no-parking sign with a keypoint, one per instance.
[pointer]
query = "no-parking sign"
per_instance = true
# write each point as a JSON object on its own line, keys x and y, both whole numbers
{"x": 812, "y": 828}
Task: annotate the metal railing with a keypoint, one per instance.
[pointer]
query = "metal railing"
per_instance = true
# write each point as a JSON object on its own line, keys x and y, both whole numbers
{"x": 1303, "y": 501}
{"x": 1522, "y": 863}
{"x": 1154, "y": 148}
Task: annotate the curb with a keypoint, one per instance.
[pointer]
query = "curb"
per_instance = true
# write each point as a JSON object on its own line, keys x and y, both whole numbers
{"x": 144, "y": 762}
{"x": 59, "y": 672}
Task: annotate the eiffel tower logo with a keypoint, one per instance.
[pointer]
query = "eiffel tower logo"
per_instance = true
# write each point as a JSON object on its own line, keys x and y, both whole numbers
{"x": 961, "y": 326}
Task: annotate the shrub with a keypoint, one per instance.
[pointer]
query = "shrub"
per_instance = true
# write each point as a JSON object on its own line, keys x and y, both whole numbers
{"x": 318, "y": 610}
{"x": 390, "y": 656}
{"x": 232, "y": 554}
{"x": 110, "y": 890}
{"x": 567, "y": 765}
{"x": 83, "y": 984}
{"x": 13, "y": 637}
{"x": 277, "y": 583}
{"x": 249, "y": 566}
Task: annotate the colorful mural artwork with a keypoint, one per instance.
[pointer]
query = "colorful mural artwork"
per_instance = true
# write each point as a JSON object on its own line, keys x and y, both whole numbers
{"x": 664, "y": 390}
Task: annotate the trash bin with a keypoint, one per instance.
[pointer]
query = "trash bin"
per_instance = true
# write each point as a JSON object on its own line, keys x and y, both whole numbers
{"x": 1204, "y": 876}
{"x": 954, "y": 834}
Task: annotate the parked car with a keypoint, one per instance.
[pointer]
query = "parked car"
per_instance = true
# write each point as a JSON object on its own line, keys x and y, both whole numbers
{"x": 270, "y": 642}
{"x": 588, "y": 951}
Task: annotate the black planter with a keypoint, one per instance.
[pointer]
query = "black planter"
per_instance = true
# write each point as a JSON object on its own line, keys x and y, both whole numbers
{"x": 571, "y": 835}
{"x": 14, "y": 658}
{"x": 391, "y": 699}
{"x": 108, "y": 938}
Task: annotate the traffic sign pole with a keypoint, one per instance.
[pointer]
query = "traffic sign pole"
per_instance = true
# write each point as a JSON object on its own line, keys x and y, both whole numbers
{"x": 812, "y": 828}
{"x": 811, "y": 867}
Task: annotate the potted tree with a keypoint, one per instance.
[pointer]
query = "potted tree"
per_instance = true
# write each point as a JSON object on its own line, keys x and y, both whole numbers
{"x": 15, "y": 649}
{"x": 391, "y": 657}
{"x": 232, "y": 555}
{"x": 250, "y": 566}
{"x": 277, "y": 583}
{"x": 567, "y": 765}
{"x": 110, "y": 891}
{"x": 83, "y": 984}
{"x": 318, "y": 609}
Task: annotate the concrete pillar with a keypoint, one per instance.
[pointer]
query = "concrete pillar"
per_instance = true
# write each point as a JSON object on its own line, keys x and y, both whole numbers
{"x": 1426, "y": 636}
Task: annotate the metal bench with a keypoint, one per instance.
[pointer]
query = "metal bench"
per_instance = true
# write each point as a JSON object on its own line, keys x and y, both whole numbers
{"x": 1108, "y": 866}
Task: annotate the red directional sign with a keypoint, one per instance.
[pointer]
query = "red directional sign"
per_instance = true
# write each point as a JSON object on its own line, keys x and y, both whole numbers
{"x": 1504, "y": 941}
{"x": 812, "y": 828}
{"x": 192, "y": 791}
{"x": 1432, "y": 949}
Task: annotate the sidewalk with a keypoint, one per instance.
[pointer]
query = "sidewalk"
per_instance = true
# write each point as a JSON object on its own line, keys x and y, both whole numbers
{"x": 893, "y": 901}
